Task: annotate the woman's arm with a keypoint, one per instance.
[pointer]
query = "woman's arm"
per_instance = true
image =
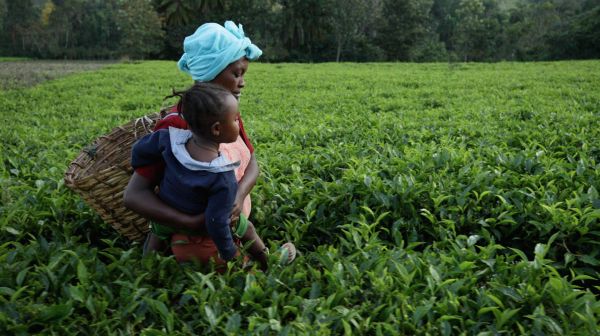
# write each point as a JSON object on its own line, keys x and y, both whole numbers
{"x": 139, "y": 196}
{"x": 245, "y": 186}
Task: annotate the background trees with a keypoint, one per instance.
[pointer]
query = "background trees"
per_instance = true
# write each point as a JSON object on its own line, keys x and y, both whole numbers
{"x": 309, "y": 30}
{"x": 140, "y": 29}
{"x": 403, "y": 26}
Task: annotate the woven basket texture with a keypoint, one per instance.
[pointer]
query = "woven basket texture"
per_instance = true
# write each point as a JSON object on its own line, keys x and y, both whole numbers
{"x": 102, "y": 170}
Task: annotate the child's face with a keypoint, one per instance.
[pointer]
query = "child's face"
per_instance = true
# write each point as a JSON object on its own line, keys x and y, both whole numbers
{"x": 230, "y": 125}
{"x": 232, "y": 77}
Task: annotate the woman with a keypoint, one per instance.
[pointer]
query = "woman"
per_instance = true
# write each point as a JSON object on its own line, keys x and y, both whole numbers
{"x": 219, "y": 55}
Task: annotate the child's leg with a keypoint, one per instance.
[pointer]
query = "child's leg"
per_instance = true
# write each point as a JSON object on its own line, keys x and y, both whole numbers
{"x": 257, "y": 249}
{"x": 158, "y": 239}
{"x": 153, "y": 244}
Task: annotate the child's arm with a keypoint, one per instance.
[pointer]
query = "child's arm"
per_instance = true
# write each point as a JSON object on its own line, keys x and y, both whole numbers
{"x": 139, "y": 196}
{"x": 217, "y": 215}
{"x": 149, "y": 149}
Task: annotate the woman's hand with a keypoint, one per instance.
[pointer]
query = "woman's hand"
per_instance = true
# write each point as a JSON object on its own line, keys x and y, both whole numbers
{"x": 237, "y": 207}
{"x": 139, "y": 196}
{"x": 195, "y": 223}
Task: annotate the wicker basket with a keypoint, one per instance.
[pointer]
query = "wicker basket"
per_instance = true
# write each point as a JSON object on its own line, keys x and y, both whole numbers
{"x": 101, "y": 172}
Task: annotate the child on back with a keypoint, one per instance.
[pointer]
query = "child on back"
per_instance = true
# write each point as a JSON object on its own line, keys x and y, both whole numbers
{"x": 197, "y": 178}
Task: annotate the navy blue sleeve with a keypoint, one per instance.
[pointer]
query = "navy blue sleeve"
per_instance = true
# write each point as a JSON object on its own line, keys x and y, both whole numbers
{"x": 218, "y": 210}
{"x": 148, "y": 150}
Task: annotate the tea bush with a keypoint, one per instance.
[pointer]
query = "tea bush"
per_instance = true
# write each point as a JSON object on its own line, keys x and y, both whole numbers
{"x": 423, "y": 198}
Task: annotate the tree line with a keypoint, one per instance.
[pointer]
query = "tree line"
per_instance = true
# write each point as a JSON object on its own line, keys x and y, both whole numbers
{"x": 308, "y": 30}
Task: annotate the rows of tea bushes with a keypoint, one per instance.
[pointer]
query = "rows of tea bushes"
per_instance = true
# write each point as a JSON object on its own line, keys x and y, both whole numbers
{"x": 508, "y": 152}
{"x": 423, "y": 198}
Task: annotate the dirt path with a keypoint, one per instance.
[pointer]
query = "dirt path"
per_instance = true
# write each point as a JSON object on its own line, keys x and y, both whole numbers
{"x": 28, "y": 73}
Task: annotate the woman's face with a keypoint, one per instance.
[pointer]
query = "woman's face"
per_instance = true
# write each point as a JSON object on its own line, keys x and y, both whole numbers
{"x": 232, "y": 77}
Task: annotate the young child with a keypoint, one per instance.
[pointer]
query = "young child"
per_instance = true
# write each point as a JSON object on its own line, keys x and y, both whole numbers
{"x": 197, "y": 178}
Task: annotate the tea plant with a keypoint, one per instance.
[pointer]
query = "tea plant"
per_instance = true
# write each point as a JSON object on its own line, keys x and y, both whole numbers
{"x": 424, "y": 199}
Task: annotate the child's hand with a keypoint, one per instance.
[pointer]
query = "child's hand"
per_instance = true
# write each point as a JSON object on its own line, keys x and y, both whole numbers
{"x": 239, "y": 261}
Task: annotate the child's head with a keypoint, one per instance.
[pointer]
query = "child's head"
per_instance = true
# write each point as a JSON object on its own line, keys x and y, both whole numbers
{"x": 211, "y": 112}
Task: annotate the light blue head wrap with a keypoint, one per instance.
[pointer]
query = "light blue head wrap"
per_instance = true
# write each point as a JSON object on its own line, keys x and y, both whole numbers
{"x": 213, "y": 47}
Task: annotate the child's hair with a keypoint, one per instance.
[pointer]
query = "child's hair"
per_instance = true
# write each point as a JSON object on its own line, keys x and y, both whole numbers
{"x": 201, "y": 105}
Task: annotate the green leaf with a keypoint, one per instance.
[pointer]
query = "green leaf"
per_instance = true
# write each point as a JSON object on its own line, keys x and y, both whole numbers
{"x": 55, "y": 312}
{"x": 589, "y": 260}
{"x": 347, "y": 328}
{"x": 505, "y": 316}
{"x": 275, "y": 325}
{"x": 17, "y": 293}
{"x": 76, "y": 293}
{"x": 21, "y": 276}
{"x": 210, "y": 315}
{"x": 6, "y": 291}
{"x": 82, "y": 273}
{"x": 472, "y": 240}
{"x": 486, "y": 310}
{"x": 434, "y": 274}
{"x": 233, "y": 322}
{"x": 367, "y": 181}
{"x": 11, "y": 230}
{"x": 495, "y": 299}
{"x": 520, "y": 254}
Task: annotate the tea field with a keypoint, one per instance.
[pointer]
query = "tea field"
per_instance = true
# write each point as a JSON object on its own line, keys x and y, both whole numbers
{"x": 438, "y": 199}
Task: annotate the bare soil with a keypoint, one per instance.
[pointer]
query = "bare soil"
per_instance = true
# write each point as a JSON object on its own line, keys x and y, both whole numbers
{"x": 28, "y": 73}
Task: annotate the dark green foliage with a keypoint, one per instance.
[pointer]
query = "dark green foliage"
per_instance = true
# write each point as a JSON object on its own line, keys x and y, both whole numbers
{"x": 309, "y": 30}
{"x": 424, "y": 199}
{"x": 403, "y": 26}
{"x": 580, "y": 37}
{"x": 82, "y": 29}
{"x": 140, "y": 29}
{"x": 3, "y": 12}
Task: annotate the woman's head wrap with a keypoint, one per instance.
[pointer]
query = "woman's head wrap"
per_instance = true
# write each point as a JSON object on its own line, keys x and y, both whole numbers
{"x": 213, "y": 47}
